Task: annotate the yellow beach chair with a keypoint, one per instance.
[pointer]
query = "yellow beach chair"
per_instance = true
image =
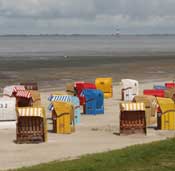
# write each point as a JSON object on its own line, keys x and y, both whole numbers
{"x": 63, "y": 117}
{"x": 166, "y": 120}
{"x": 105, "y": 85}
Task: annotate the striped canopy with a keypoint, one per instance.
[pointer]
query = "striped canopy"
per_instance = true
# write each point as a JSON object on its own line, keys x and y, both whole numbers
{"x": 23, "y": 93}
{"x": 18, "y": 88}
{"x": 130, "y": 106}
{"x": 62, "y": 98}
{"x": 30, "y": 111}
{"x": 9, "y": 90}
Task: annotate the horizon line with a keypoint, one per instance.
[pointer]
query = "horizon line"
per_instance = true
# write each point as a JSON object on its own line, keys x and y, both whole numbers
{"x": 79, "y": 34}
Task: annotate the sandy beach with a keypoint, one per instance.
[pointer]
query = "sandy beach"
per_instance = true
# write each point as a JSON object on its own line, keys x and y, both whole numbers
{"x": 94, "y": 134}
{"x": 150, "y": 60}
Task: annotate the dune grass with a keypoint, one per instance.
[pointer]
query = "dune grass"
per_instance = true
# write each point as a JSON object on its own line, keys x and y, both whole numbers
{"x": 156, "y": 156}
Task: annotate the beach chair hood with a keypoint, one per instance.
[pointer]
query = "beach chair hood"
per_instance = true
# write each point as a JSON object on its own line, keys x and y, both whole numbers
{"x": 23, "y": 94}
{"x": 30, "y": 111}
{"x": 131, "y": 106}
{"x": 9, "y": 90}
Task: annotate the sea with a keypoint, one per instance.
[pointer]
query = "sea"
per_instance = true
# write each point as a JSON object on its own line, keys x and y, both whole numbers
{"x": 47, "y": 46}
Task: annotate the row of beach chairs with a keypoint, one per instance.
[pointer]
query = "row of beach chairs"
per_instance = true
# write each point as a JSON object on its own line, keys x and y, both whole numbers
{"x": 137, "y": 112}
{"x": 23, "y": 103}
{"x": 155, "y": 108}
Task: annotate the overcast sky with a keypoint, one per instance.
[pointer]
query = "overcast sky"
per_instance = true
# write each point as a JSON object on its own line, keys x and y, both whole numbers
{"x": 86, "y": 16}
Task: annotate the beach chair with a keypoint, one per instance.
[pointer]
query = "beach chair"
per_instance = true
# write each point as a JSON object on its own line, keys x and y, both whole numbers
{"x": 159, "y": 87}
{"x": 30, "y": 85}
{"x": 132, "y": 118}
{"x": 71, "y": 90}
{"x": 23, "y": 98}
{"x": 105, "y": 85}
{"x": 63, "y": 117}
{"x": 77, "y": 112}
{"x": 129, "y": 89}
{"x": 166, "y": 115}
{"x": 94, "y": 103}
{"x": 28, "y": 98}
{"x": 31, "y": 125}
{"x": 150, "y": 103}
{"x": 36, "y": 98}
{"x": 170, "y": 85}
{"x": 80, "y": 86}
{"x": 7, "y": 108}
{"x": 70, "y": 99}
{"x": 170, "y": 93}
{"x": 154, "y": 92}
{"x": 11, "y": 91}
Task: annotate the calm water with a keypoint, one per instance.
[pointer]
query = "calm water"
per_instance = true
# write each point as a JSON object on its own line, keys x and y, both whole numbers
{"x": 58, "y": 46}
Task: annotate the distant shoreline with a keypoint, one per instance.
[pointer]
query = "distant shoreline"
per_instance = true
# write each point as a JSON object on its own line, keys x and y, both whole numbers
{"x": 63, "y": 35}
{"x": 101, "y": 59}
{"x": 28, "y": 56}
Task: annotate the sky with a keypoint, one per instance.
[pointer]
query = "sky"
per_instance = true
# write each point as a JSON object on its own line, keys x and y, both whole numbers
{"x": 87, "y": 16}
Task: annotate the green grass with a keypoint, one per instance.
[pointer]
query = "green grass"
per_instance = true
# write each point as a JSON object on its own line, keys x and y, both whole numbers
{"x": 157, "y": 156}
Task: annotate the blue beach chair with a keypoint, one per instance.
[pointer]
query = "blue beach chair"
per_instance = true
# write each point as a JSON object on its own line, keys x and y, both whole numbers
{"x": 159, "y": 87}
{"x": 94, "y": 101}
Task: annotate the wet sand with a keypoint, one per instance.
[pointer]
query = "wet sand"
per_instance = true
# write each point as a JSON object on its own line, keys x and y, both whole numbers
{"x": 56, "y": 72}
{"x": 94, "y": 134}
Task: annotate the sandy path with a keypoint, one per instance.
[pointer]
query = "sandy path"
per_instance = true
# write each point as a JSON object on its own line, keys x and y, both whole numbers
{"x": 94, "y": 134}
